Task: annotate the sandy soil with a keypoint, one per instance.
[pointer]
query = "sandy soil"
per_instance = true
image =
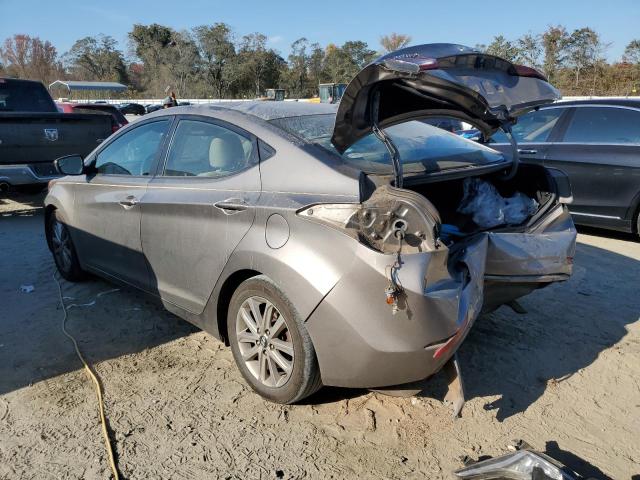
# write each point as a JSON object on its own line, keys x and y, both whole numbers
{"x": 565, "y": 377}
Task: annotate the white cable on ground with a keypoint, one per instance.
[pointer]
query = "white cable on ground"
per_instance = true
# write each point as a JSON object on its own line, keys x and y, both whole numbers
{"x": 96, "y": 384}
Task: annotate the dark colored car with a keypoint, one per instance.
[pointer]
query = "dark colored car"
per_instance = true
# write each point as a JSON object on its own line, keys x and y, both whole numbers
{"x": 118, "y": 120}
{"x": 153, "y": 107}
{"x": 597, "y": 144}
{"x": 445, "y": 123}
{"x": 132, "y": 109}
{"x": 33, "y": 133}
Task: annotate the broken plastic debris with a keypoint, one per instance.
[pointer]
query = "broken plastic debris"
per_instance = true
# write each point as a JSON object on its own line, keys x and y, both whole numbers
{"x": 489, "y": 209}
{"x": 27, "y": 288}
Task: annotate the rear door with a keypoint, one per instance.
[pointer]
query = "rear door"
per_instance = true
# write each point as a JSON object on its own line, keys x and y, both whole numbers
{"x": 534, "y": 133}
{"x": 198, "y": 208}
{"x": 600, "y": 152}
{"x": 108, "y": 202}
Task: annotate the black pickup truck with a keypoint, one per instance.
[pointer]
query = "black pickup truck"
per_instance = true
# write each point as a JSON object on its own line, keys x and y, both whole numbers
{"x": 33, "y": 133}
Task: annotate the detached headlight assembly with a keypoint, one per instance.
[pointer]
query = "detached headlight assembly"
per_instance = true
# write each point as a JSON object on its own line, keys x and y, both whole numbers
{"x": 520, "y": 465}
{"x": 391, "y": 221}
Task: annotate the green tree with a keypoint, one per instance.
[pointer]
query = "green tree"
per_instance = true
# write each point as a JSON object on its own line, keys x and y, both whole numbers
{"x": 503, "y": 48}
{"x": 554, "y": 42}
{"x": 316, "y": 72}
{"x": 217, "y": 53}
{"x": 298, "y": 67}
{"x": 150, "y": 44}
{"x": 585, "y": 50}
{"x": 96, "y": 59}
{"x": 632, "y": 52}
{"x": 258, "y": 67}
{"x": 529, "y": 50}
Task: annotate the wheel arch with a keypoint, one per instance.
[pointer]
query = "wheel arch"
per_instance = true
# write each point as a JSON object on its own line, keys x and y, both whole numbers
{"x": 227, "y": 290}
{"x": 48, "y": 211}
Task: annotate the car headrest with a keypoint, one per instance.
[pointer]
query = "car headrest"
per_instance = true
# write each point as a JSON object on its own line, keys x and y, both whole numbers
{"x": 226, "y": 152}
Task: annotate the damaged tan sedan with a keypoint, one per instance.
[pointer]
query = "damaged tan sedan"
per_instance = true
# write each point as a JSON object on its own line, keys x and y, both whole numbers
{"x": 351, "y": 246}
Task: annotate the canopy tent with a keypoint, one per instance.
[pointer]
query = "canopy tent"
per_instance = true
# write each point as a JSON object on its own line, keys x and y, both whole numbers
{"x": 95, "y": 86}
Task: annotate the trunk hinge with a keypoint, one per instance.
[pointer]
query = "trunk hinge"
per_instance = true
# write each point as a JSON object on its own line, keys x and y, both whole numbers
{"x": 515, "y": 154}
{"x": 384, "y": 138}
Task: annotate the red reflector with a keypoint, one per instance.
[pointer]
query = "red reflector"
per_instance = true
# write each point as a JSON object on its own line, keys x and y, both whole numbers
{"x": 428, "y": 64}
{"x": 447, "y": 346}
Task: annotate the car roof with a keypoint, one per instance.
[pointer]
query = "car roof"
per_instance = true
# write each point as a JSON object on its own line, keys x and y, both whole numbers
{"x": 264, "y": 110}
{"x": 619, "y": 102}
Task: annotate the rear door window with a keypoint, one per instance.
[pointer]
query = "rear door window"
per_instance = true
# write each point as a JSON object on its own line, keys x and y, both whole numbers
{"x": 533, "y": 127}
{"x": 205, "y": 149}
{"x": 17, "y": 96}
{"x": 604, "y": 125}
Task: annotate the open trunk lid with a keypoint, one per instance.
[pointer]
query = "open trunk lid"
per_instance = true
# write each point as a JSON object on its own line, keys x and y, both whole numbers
{"x": 438, "y": 80}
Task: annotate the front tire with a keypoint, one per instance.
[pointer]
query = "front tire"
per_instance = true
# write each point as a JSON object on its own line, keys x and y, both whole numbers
{"x": 62, "y": 248}
{"x": 270, "y": 343}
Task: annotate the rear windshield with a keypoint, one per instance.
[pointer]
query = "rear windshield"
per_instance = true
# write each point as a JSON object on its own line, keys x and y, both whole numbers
{"x": 113, "y": 111}
{"x": 423, "y": 148}
{"x": 16, "y": 96}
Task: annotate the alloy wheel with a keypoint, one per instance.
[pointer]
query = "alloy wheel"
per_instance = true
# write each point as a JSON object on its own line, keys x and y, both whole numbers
{"x": 264, "y": 341}
{"x": 61, "y": 242}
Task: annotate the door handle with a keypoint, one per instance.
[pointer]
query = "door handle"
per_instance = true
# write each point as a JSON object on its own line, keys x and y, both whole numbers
{"x": 524, "y": 151}
{"x": 232, "y": 205}
{"x": 129, "y": 202}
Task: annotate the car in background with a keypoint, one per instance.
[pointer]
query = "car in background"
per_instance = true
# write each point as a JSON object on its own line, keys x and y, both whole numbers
{"x": 152, "y": 107}
{"x": 445, "y": 123}
{"x": 118, "y": 120}
{"x": 33, "y": 133}
{"x": 131, "y": 108}
{"x": 597, "y": 144}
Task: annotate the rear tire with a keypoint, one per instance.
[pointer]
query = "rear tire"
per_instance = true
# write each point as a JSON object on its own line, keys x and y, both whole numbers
{"x": 270, "y": 343}
{"x": 62, "y": 248}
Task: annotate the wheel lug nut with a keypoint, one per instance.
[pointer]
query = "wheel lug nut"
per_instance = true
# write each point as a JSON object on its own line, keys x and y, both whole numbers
{"x": 271, "y": 346}
{"x": 267, "y": 332}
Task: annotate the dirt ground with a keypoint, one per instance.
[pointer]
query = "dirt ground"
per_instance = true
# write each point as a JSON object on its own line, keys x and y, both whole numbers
{"x": 565, "y": 377}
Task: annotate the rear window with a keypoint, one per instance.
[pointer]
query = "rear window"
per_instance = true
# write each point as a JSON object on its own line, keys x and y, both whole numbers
{"x": 423, "y": 148}
{"x": 16, "y": 96}
{"x": 604, "y": 125}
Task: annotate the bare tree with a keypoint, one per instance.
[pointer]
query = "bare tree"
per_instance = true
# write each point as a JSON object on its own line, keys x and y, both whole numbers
{"x": 394, "y": 41}
{"x": 23, "y": 56}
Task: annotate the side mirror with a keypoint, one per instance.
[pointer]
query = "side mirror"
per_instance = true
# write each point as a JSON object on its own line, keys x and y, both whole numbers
{"x": 69, "y": 165}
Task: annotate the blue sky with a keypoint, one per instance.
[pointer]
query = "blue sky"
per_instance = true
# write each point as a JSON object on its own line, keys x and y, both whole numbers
{"x": 459, "y": 21}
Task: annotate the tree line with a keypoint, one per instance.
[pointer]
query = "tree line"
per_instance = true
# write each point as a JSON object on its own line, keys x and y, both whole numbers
{"x": 211, "y": 61}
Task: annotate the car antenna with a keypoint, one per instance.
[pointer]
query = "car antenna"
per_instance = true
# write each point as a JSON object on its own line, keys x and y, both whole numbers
{"x": 384, "y": 138}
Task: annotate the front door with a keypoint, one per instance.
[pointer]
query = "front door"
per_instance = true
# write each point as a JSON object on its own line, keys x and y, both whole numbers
{"x": 198, "y": 208}
{"x": 108, "y": 224}
{"x": 533, "y": 133}
{"x": 599, "y": 153}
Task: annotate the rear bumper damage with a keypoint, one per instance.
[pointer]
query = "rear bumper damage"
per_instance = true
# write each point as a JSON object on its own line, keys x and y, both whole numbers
{"x": 360, "y": 343}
